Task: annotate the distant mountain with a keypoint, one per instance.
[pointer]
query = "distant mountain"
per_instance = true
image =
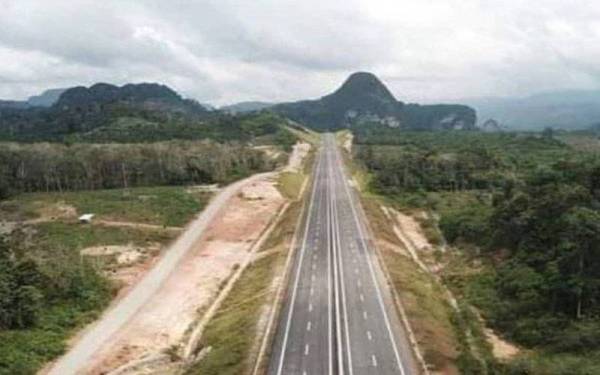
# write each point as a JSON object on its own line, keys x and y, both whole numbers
{"x": 14, "y": 104}
{"x": 45, "y": 99}
{"x": 245, "y": 107}
{"x": 83, "y": 109}
{"x": 363, "y": 99}
{"x": 568, "y": 109}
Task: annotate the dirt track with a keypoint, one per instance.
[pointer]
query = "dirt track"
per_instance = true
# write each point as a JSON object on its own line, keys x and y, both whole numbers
{"x": 156, "y": 313}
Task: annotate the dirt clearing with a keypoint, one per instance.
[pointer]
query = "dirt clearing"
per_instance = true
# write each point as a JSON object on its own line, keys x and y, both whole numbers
{"x": 298, "y": 154}
{"x": 165, "y": 320}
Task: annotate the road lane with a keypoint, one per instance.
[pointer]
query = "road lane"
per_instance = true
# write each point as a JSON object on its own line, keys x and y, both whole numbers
{"x": 363, "y": 334}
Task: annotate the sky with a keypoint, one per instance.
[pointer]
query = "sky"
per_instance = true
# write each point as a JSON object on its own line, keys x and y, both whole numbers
{"x": 225, "y": 51}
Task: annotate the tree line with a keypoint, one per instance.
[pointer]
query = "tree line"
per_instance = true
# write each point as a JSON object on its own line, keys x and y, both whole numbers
{"x": 59, "y": 167}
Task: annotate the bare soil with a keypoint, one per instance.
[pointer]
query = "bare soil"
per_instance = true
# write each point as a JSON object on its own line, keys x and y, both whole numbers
{"x": 298, "y": 154}
{"x": 167, "y": 317}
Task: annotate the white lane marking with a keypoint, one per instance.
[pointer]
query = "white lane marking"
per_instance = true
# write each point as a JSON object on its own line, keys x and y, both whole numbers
{"x": 369, "y": 336}
{"x": 308, "y": 326}
{"x": 343, "y": 287}
{"x": 374, "y": 360}
{"x": 312, "y": 277}
{"x": 314, "y": 266}
{"x": 310, "y": 307}
{"x": 356, "y": 271}
{"x": 362, "y": 297}
{"x": 306, "y": 349}
{"x": 359, "y": 283}
{"x": 365, "y": 315}
{"x": 335, "y": 235}
{"x": 379, "y": 296}
{"x": 296, "y": 282}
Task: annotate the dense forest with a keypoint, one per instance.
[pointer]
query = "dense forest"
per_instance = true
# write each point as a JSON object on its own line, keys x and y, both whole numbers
{"x": 526, "y": 205}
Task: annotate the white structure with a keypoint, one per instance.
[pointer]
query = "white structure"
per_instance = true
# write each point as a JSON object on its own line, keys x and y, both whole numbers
{"x": 86, "y": 218}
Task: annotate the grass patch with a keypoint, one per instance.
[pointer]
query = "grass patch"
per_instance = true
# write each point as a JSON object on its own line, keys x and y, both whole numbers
{"x": 60, "y": 235}
{"x": 290, "y": 184}
{"x": 164, "y": 205}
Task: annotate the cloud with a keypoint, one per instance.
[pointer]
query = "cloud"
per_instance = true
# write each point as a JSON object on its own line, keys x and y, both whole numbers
{"x": 229, "y": 50}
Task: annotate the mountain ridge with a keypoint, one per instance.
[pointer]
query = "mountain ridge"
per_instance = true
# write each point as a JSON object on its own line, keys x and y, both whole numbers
{"x": 363, "y": 99}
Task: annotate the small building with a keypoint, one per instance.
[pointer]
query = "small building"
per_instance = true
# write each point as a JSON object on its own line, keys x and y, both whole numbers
{"x": 86, "y": 218}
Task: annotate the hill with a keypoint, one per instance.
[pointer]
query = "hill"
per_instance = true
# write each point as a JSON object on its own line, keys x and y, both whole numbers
{"x": 568, "y": 109}
{"x": 80, "y": 110}
{"x": 45, "y": 99}
{"x": 363, "y": 99}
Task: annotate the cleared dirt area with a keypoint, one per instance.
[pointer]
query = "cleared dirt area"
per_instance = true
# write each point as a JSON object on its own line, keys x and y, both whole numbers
{"x": 299, "y": 152}
{"x": 165, "y": 320}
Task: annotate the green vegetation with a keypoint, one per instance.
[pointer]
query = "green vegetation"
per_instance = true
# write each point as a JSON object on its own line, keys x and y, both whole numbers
{"x": 57, "y": 167}
{"x": 163, "y": 205}
{"x": 47, "y": 289}
{"x": 41, "y": 302}
{"x": 524, "y": 208}
{"x": 290, "y": 184}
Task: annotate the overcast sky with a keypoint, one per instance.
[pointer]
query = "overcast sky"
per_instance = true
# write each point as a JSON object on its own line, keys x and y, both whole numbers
{"x": 226, "y": 51}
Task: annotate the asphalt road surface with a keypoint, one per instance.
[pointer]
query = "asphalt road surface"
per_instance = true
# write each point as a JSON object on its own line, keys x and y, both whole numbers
{"x": 338, "y": 316}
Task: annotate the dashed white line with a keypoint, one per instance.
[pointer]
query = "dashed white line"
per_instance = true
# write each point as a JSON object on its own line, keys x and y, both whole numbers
{"x": 365, "y": 315}
{"x": 374, "y": 360}
{"x": 362, "y": 297}
{"x": 308, "y": 326}
{"x": 307, "y": 348}
{"x": 369, "y": 336}
{"x": 310, "y": 307}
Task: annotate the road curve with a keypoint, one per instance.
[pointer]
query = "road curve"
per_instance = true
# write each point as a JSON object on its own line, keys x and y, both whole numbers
{"x": 114, "y": 318}
{"x": 338, "y": 316}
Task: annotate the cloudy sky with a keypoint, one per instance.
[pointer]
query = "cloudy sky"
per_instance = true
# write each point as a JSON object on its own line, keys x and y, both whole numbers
{"x": 225, "y": 51}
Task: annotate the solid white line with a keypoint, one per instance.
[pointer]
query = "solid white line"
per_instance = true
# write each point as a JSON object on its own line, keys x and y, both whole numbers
{"x": 295, "y": 289}
{"x": 329, "y": 275}
{"x": 336, "y": 277}
{"x": 379, "y": 296}
{"x": 343, "y": 284}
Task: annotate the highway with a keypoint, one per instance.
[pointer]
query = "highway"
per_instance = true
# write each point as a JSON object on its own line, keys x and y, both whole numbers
{"x": 338, "y": 315}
